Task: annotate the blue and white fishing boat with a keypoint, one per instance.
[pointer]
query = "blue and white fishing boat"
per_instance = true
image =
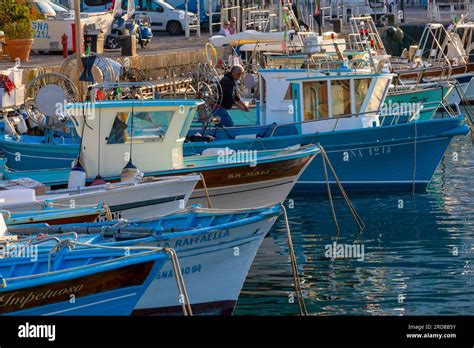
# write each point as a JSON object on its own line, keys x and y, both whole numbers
{"x": 340, "y": 109}
{"x": 215, "y": 248}
{"x": 152, "y": 133}
{"x": 54, "y": 154}
{"x": 55, "y": 216}
{"x": 87, "y": 281}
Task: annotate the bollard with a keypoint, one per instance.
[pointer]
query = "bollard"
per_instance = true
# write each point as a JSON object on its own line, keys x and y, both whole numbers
{"x": 391, "y": 19}
{"x": 64, "y": 43}
{"x": 129, "y": 45}
{"x": 337, "y": 25}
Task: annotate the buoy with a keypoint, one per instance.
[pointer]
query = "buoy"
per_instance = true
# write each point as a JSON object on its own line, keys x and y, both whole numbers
{"x": 77, "y": 176}
{"x": 98, "y": 181}
{"x": 130, "y": 172}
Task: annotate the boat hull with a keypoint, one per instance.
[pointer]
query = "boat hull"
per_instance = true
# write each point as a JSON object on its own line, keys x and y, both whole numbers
{"x": 128, "y": 202}
{"x": 110, "y": 292}
{"x": 249, "y": 186}
{"x": 214, "y": 266}
{"x": 37, "y": 155}
{"x": 430, "y": 98}
{"x": 365, "y": 158}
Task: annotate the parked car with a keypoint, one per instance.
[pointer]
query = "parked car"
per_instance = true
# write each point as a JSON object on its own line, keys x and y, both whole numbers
{"x": 165, "y": 17}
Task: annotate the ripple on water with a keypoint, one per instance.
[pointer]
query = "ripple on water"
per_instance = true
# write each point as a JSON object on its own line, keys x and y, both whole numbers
{"x": 418, "y": 260}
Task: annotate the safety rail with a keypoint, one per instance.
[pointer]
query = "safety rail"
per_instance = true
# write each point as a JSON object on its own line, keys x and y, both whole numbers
{"x": 375, "y": 114}
{"x": 225, "y": 13}
{"x": 132, "y": 87}
{"x": 447, "y": 10}
{"x": 257, "y": 18}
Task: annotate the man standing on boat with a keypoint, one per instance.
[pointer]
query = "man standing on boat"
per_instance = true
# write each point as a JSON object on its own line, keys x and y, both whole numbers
{"x": 229, "y": 96}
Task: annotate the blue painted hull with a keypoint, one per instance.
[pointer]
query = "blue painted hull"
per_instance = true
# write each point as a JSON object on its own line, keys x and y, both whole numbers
{"x": 368, "y": 158}
{"x": 89, "y": 282}
{"x": 118, "y": 302}
{"x": 37, "y": 155}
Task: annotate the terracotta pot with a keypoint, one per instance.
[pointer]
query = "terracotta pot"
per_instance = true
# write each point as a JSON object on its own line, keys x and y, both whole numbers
{"x": 19, "y": 48}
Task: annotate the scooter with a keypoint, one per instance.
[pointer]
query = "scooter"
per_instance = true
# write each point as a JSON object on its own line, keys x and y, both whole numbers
{"x": 139, "y": 26}
{"x": 144, "y": 33}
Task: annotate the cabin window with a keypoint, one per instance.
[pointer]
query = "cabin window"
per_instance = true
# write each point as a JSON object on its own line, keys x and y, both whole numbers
{"x": 341, "y": 97}
{"x": 147, "y": 126}
{"x": 361, "y": 86}
{"x": 289, "y": 93}
{"x": 315, "y": 100}
{"x": 375, "y": 100}
{"x": 93, "y": 3}
{"x": 187, "y": 124}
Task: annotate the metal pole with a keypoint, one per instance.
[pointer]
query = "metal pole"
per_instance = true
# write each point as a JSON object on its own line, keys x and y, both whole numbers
{"x": 402, "y": 8}
{"x": 78, "y": 38}
{"x": 320, "y": 24}
{"x": 280, "y": 14}
{"x": 186, "y": 19}
{"x": 198, "y": 29}
{"x": 209, "y": 4}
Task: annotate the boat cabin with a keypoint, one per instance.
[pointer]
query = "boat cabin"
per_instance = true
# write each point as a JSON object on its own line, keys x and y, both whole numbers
{"x": 336, "y": 99}
{"x": 115, "y": 132}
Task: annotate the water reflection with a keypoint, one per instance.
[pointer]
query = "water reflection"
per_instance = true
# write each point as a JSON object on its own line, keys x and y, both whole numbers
{"x": 418, "y": 252}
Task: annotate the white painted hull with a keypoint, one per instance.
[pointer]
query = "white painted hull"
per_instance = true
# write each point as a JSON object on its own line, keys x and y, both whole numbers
{"x": 467, "y": 91}
{"x": 214, "y": 267}
{"x": 130, "y": 202}
{"x": 243, "y": 196}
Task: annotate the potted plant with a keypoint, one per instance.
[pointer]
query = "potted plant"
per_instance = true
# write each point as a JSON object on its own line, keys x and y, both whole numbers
{"x": 17, "y": 25}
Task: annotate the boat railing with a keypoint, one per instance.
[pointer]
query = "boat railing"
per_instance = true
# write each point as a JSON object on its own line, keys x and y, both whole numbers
{"x": 448, "y": 111}
{"x": 140, "y": 89}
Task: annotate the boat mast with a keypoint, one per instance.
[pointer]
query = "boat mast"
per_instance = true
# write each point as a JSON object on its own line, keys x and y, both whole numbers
{"x": 78, "y": 38}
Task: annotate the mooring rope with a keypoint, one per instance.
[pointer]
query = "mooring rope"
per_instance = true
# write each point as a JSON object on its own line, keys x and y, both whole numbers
{"x": 414, "y": 162}
{"x": 108, "y": 212}
{"x": 183, "y": 294}
{"x": 294, "y": 266}
{"x": 356, "y": 216}
{"x": 331, "y": 203}
{"x": 208, "y": 198}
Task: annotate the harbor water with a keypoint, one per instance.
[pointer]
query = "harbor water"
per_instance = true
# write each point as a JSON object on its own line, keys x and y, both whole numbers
{"x": 415, "y": 257}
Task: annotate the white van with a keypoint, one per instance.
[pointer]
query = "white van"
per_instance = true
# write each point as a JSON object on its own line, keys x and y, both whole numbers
{"x": 165, "y": 17}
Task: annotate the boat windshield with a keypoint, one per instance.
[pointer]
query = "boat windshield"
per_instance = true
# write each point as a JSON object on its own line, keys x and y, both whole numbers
{"x": 142, "y": 127}
{"x": 316, "y": 104}
{"x": 376, "y": 98}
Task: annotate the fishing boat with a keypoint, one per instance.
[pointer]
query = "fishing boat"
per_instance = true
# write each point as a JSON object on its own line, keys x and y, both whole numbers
{"x": 88, "y": 281}
{"x": 215, "y": 248}
{"x": 327, "y": 53}
{"x": 129, "y": 199}
{"x": 55, "y": 216}
{"x": 442, "y": 55}
{"x": 150, "y": 134}
{"x": 339, "y": 109}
